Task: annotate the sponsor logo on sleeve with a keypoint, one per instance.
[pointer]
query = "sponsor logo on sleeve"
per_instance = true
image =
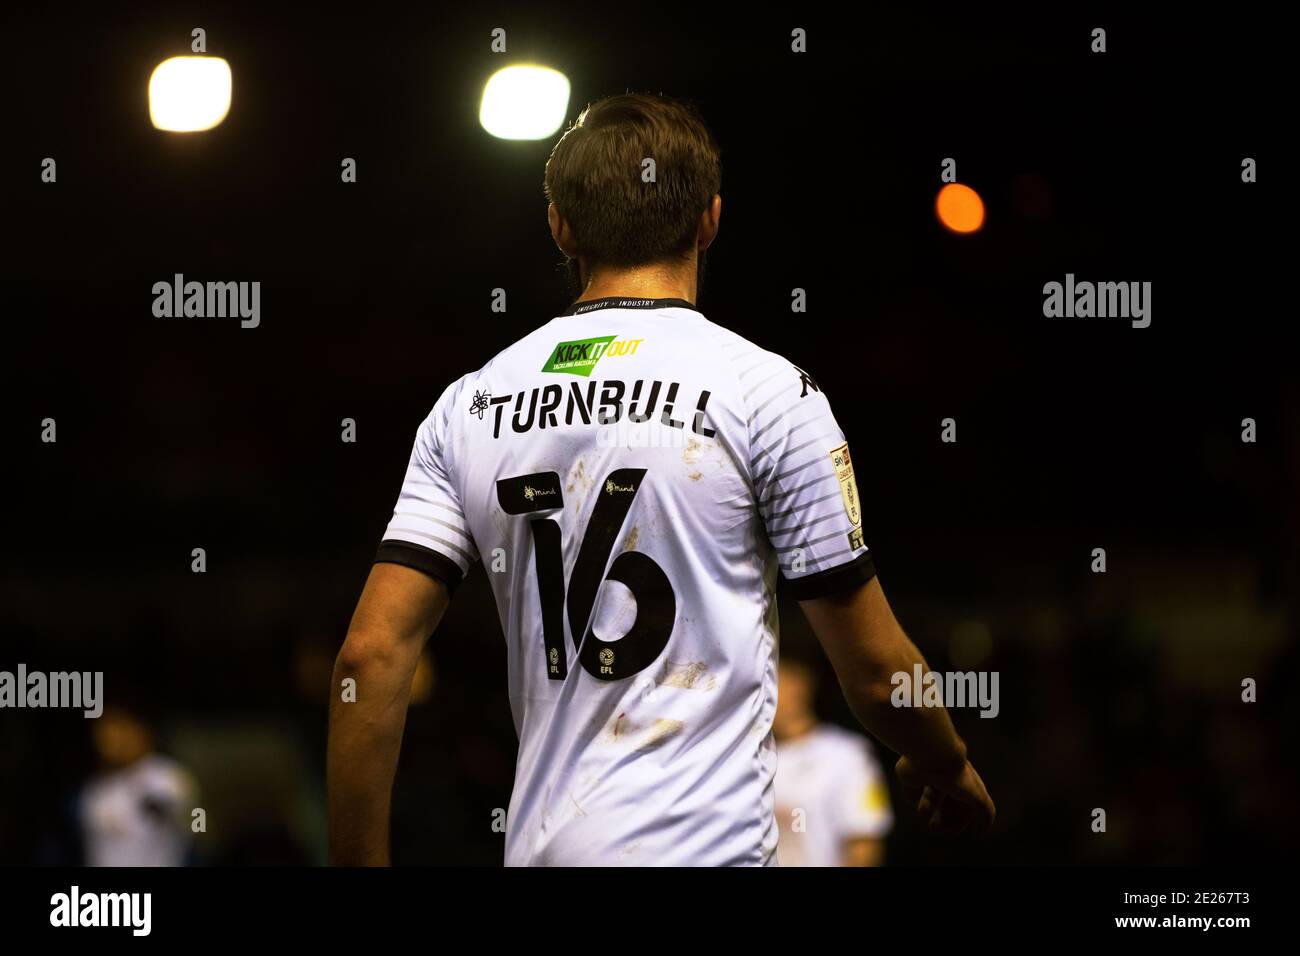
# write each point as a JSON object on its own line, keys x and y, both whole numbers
{"x": 843, "y": 464}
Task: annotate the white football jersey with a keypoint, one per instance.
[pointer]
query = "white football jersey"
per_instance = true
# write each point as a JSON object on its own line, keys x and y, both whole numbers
{"x": 633, "y": 478}
{"x": 829, "y": 790}
{"x": 138, "y": 815}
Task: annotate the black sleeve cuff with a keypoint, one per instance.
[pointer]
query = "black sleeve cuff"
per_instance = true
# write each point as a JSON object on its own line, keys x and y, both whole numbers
{"x": 821, "y": 583}
{"x": 436, "y": 565}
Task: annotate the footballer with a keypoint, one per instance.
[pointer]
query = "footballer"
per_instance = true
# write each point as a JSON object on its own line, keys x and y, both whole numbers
{"x": 635, "y": 478}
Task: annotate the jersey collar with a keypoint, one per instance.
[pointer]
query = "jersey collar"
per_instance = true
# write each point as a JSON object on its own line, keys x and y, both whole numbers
{"x": 625, "y": 302}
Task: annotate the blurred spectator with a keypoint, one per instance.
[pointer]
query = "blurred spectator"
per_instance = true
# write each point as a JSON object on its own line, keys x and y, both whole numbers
{"x": 136, "y": 810}
{"x": 832, "y": 800}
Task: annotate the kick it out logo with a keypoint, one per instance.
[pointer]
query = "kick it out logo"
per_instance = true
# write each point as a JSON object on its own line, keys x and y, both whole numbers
{"x": 580, "y": 357}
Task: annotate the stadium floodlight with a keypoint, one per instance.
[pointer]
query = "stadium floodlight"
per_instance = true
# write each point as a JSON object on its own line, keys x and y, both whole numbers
{"x": 959, "y": 208}
{"x": 524, "y": 102}
{"x": 188, "y": 94}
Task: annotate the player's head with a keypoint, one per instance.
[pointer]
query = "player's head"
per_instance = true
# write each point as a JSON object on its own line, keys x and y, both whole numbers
{"x": 121, "y": 736}
{"x": 633, "y": 183}
{"x": 796, "y": 691}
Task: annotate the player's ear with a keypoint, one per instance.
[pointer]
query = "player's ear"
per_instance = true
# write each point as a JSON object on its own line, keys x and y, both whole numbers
{"x": 709, "y": 220}
{"x": 561, "y": 232}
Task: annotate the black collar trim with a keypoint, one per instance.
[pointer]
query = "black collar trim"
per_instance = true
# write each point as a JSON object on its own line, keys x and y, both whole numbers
{"x": 623, "y": 302}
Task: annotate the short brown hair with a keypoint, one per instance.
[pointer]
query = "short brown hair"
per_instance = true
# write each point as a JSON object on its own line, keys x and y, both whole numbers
{"x": 594, "y": 178}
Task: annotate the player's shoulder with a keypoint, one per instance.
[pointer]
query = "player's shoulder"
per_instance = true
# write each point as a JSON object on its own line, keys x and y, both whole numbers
{"x": 760, "y": 373}
{"x": 530, "y": 349}
{"x": 735, "y": 348}
{"x": 474, "y": 387}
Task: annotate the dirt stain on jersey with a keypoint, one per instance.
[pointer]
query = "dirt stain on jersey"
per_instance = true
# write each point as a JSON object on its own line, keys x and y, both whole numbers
{"x": 579, "y": 480}
{"x": 640, "y": 737}
{"x": 700, "y": 457}
{"x": 691, "y": 676}
{"x": 659, "y": 733}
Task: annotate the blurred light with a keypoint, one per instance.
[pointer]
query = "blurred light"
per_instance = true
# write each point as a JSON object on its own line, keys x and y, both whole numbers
{"x": 959, "y": 208}
{"x": 524, "y": 102}
{"x": 189, "y": 93}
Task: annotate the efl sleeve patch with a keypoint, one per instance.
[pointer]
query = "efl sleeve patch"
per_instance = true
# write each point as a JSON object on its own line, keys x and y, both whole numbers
{"x": 848, "y": 487}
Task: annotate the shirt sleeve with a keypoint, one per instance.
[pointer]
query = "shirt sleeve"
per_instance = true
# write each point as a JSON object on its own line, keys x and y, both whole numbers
{"x": 428, "y": 530}
{"x": 803, "y": 478}
{"x": 862, "y": 800}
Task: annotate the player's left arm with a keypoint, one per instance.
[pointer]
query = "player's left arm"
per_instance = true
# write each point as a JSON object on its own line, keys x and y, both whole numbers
{"x": 398, "y": 610}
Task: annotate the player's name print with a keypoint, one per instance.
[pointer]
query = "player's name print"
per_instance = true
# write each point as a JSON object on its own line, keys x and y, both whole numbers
{"x": 604, "y": 402}
{"x": 179, "y": 299}
{"x": 1099, "y": 300}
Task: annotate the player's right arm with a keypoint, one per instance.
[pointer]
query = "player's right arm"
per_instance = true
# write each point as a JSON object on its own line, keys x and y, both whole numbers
{"x": 867, "y": 646}
{"x": 426, "y": 550}
{"x": 398, "y": 610}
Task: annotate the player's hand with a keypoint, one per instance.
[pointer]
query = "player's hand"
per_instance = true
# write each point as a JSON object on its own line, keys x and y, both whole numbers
{"x": 951, "y": 802}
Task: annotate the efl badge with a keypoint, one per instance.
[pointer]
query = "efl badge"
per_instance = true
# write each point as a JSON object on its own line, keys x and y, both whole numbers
{"x": 848, "y": 487}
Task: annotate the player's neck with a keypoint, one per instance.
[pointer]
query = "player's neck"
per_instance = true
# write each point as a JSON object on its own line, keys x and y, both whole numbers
{"x": 658, "y": 281}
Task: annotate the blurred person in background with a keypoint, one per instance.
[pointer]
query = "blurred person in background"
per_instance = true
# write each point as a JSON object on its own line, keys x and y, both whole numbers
{"x": 832, "y": 799}
{"x": 136, "y": 810}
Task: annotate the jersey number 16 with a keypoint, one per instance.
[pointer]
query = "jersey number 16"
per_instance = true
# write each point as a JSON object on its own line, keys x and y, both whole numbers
{"x": 656, "y": 605}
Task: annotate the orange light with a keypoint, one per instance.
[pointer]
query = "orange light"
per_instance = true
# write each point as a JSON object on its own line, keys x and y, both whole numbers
{"x": 959, "y": 208}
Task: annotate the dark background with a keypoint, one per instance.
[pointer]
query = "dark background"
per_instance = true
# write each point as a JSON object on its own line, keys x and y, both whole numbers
{"x": 1119, "y": 691}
